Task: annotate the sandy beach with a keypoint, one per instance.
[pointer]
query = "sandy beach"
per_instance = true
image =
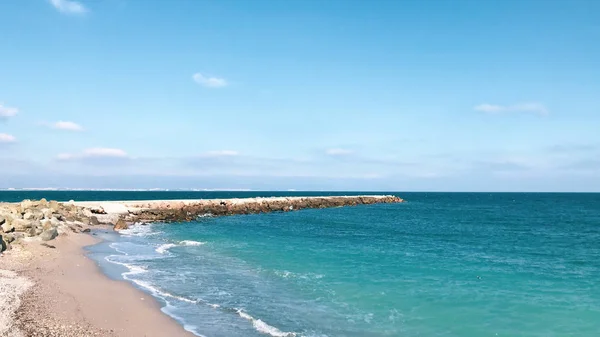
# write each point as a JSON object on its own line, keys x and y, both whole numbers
{"x": 63, "y": 293}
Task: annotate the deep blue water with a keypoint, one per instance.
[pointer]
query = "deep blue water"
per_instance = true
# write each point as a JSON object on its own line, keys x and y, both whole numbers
{"x": 441, "y": 264}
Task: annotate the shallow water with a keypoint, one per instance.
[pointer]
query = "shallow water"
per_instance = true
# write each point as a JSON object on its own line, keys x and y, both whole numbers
{"x": 442, "y": 264}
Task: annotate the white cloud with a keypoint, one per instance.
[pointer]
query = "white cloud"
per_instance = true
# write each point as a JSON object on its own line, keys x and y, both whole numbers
{"x": 68, "y": 6}
{"x": 6, "y": 112}
{"x": 338, "y": 152}
{"x": 211, "y": 82}
{"x": 535, "y": 108}
{"x": 96, "y": 152}
{"x": 6, "y": 138}
{"x": 68, "y": 126}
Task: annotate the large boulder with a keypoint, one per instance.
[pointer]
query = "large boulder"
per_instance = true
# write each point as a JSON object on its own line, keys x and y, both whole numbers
{"x": 33, "y": 215}
{"x": 26, "y": 205}
{"x": 49, "y": 234}
{"x": 46, "y": 224}
{"x": 120, "y": 225}
{"x": 8, "y": 237}
{"x": 7, "y": 227}
{"x": 6, "y": 223}
{"x": 21, "y": 225}
{"x": 94, "y": 221}
{"x": 47, "y": 213}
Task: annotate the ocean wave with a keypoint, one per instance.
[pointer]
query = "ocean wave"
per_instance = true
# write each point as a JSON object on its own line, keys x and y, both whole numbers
{"x": 138, "y": 230}
{"x": 258, "y": 324}
{"x": 165, "y": 247}
{"x": 114, "y": 246}
{"x": 191, "y": 243}
{"x": 160, "y": 293}
{"x": 263, "y": 327}
{"x": 133, "y": 269}
{"x": 289, "y": 274}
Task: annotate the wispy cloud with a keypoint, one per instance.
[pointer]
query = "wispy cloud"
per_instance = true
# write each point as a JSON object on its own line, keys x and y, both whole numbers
{"x": 210, "y": 82}
{"x": 6, "y": 138}
{"x": 534, "y": 108}
{"x": 571, "y": 148}
{"x": 338, "y": 152}
{"x": 221, "y": 153}
{"x": 68, "y": 6}
{"x": 67, "y": 126}
{"x": 7, "y": 112}
{"x": 96, "y": 152}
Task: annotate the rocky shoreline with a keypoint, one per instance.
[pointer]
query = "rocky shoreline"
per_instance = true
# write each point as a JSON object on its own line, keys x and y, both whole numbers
{"x": 46, "y": 220}
{"x": 41, "y": 219}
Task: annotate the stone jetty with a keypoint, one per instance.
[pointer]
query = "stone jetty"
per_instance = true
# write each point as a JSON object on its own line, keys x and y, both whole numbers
{"x": 188, "y": 210}
{"x": 44, "y": 220}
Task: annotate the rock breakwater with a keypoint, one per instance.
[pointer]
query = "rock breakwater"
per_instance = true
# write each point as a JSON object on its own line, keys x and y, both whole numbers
{"x": 45, "y": 220}
{"x": 188, "y": 210}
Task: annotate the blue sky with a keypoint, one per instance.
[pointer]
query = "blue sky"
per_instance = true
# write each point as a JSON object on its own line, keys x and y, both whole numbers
{"x": 345, "y": 95}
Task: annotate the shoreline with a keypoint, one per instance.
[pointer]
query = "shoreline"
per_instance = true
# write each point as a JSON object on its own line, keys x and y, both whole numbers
{"x": 49, "y": 286}
{"x": 69, "y": 295}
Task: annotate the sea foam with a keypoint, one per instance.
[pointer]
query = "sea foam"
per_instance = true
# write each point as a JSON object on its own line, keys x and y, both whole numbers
{"x": 263, "y": 327}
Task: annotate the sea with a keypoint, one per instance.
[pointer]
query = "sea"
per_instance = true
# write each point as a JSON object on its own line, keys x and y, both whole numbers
{"x": 440, "y": 264}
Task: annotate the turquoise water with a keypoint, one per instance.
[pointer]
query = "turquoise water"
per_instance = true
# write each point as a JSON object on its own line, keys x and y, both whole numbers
{"x": 442, "y": 264}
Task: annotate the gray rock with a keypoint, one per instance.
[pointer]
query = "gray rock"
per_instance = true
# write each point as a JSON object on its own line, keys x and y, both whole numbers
{"x": 54, "y": 221}
{"x": 7, "y": 227}
{"x": 47, "y": 212}
{"x": 17, "y": 235}
{"x": 33, "y": 215}
{"x": 46, "y": 224}
{"x": 54, "y": 206}
{"x": 120, "y": 225}
{"x": 49, "y": 234}
{"x": 21, "y": 225}
{"x": 94, "y": 221}
{"x": 8, "y": 237}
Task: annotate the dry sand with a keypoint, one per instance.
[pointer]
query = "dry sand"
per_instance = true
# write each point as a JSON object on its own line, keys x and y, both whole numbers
{"x": 63, "y": 293}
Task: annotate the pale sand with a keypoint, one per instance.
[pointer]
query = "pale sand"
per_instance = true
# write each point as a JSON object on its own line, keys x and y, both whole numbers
{"x": 71, "y": 296}
{"x": 11, "y": 287}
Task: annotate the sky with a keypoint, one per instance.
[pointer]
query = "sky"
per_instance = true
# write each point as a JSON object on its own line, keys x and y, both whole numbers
{"x": 465, "y": 95}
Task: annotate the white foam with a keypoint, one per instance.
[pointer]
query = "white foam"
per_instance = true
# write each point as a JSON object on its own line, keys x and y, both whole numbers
{"x": 191, "y": 243}
{"x": 159, "y": 293}
{"x": 138, "y": 230}
{"x": 263, "y": 327}
{"x": 114, "y": 246}
{"x": 164, "y": 248}
{"x": 289, "y": 274}
{"x": 132, "y": 268}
